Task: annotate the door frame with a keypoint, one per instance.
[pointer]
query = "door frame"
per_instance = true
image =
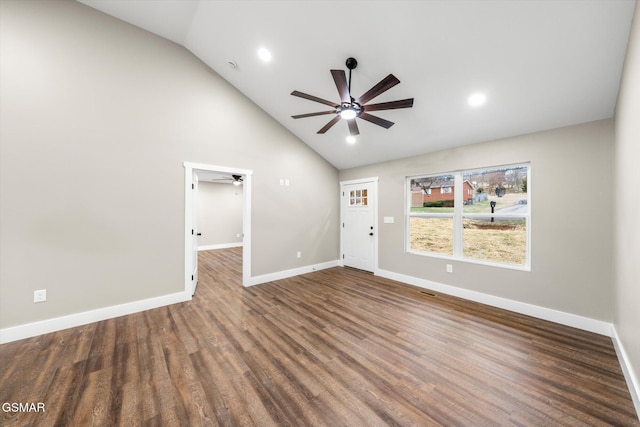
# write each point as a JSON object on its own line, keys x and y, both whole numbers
{"x": 374, "y": 182}
{"x": 194, "y": 231}
{"x": 189, "y": 169}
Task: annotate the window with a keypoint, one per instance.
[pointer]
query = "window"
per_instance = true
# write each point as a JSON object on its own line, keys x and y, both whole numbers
{"x": 431, "y": 218}
{"x": 480, "y": 215}
{"x": 358, "y": 198}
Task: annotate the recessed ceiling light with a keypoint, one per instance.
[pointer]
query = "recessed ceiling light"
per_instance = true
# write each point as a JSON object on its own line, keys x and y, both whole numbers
{"x": 264, "y": 54}
{"x": 351, "y": 139}
{"x": 477, "y": 99}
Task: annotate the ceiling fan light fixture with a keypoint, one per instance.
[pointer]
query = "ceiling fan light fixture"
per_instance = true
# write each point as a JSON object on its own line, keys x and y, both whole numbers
{"x": 236, "y": 183}
{"x": 351, "y": 139}
{"x": 348, "y": 113}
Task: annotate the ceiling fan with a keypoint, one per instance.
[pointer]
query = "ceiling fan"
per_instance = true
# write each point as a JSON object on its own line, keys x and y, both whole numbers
{"x": 351, "y": 108}
{"x": 233, "y": 179}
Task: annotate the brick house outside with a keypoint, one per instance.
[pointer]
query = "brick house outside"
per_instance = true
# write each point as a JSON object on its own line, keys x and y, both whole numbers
{"x": 439, "y": 191}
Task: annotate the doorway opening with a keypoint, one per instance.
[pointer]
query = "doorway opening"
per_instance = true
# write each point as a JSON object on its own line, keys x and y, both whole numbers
{"x": 193, "y": 171}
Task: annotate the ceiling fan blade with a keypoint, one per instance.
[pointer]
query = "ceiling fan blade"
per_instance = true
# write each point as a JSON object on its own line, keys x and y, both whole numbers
{"x": 314, "y": 98}
{"x": 384, "y": 85}
{"x": 353, "y": 127}
{"x": 403, "y": 103}
{"x": 340, "y": 78}
{"x": 302, "y": 116}
{"x": 376, "y": 120}
{"x": 328, "y": 126}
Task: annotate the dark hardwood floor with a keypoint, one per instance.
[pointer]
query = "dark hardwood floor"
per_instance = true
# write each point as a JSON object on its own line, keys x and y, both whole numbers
{"x": 337, "y": 347}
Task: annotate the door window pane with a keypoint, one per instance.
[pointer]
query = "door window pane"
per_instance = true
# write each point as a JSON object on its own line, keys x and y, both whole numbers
{"x": 358, "y": 198}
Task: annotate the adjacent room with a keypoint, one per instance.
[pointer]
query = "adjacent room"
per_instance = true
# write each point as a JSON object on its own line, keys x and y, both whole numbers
{"x": 319, "y": 213}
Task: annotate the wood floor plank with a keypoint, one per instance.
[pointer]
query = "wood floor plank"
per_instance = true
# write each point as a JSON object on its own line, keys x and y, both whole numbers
{"x": 337, "y": 347}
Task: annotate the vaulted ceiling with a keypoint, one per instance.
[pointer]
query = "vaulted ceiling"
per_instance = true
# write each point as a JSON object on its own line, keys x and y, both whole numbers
{"x": 541, "y": 64}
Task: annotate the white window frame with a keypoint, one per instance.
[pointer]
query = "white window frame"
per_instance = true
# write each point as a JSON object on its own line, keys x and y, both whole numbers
{"x": 458, "y": 217}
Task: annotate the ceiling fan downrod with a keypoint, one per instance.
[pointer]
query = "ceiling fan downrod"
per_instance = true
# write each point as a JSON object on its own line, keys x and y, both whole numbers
{"x": 351, "y": 64}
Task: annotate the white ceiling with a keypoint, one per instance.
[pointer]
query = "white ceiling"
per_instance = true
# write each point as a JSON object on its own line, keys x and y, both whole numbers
{"x": 541, "y": 63}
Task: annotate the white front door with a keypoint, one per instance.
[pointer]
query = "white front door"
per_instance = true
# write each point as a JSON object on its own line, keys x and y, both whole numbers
{"x": 358, "y": 225}
{"x": 194, "y": 234}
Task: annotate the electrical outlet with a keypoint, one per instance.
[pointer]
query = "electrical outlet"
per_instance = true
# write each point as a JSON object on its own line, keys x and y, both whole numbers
{"x": 449, "y": 268}
{"x": 299, "y": 254}
{"x": 40, "y": 296}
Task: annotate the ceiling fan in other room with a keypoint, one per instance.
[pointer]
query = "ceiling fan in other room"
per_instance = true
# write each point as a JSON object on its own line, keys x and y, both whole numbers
{"x": 233, "y": 179}
{"x": 351, "y": 108}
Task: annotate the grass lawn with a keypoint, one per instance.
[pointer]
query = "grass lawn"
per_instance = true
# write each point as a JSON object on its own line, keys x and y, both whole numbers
{"x": 432, "y": 235}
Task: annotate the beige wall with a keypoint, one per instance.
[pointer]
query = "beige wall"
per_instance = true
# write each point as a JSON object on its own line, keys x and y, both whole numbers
{"x": 627, "y": 203}
{"x": 219, "y": 213}
{"x": 571, "y": 226}
{"x": 97, "y": 118}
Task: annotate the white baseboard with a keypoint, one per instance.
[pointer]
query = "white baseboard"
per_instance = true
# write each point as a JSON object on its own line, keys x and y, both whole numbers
{"x": 28, "y": 330}
{"x": 219, "y": 246}
{"x": 256, "y": 280}
{"x": 629, "y": 374}
{"x": 568, "y": 319}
